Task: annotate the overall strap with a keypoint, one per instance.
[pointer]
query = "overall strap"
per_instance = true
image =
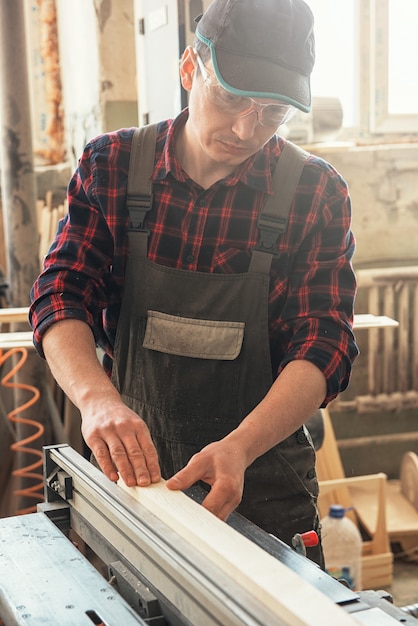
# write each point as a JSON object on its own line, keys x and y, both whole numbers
{"x": 139, "y": 192}
{"x": 272, "y": 221}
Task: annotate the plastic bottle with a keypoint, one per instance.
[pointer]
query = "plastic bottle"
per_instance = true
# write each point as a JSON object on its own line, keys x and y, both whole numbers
{"x": 342, "y": 546}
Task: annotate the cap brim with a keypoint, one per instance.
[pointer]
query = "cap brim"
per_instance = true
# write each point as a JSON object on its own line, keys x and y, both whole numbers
{"x": 260, "y": 78}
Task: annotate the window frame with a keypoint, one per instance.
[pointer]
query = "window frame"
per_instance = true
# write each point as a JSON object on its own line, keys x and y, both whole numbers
{"x": 375, "y": 117}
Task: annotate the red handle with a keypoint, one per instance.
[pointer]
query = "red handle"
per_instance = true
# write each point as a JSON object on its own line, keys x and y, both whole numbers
{"x": 310, "y": 539}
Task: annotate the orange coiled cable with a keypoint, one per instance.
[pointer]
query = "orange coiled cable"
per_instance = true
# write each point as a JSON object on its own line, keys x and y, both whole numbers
{"x": 28, "y": 472}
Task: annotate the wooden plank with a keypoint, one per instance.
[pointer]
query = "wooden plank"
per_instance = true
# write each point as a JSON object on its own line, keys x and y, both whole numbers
{"x": 404, "y": 338}
{"x": 294, "y": 601}
{"x": 373, "y": 513}
{"x": 389, "y": 341}
{"x": 16, "y": 340}
{"x": 414, "y": 347}
{"x": 329, "y": 464}
{"x": 368, "y": 320}
{"x": 54, "y": 224}
{"x": 373, "y": 344}
{"x": 368, "y": 277}
{"x": 44, "y": 233}
{"x": 14, "y": 314}
{"x": 372, "y": 440}
{"x": 401, "y": 516}
{"x": 377, "y": 570}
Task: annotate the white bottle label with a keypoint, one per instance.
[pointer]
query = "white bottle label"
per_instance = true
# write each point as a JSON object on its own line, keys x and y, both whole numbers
{"x": 342, "y": 573}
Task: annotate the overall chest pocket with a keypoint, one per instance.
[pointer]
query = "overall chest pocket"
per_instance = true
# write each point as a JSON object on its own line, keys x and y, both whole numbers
{"x": 195, "y": 338}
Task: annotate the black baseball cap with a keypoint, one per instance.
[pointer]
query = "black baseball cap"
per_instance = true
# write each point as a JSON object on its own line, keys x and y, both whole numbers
{"x": 261, "y": 48}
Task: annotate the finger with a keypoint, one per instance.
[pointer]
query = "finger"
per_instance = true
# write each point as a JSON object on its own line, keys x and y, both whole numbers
{"x": 219, "y": 506}
{"x": 184, "y": 478}
{"x": 136, "y": 465}
{"x": 113, "y": 458}
{"x": 144, "y": 462}
{"x": 103, "y": 458}
{"x": 121, "y": 462}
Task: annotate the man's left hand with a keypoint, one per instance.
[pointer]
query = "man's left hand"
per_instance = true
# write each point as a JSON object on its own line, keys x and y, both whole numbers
{"x": 220, "y": 465}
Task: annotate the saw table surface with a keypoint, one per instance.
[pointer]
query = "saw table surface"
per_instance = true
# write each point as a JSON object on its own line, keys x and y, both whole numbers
{"x": 44, "y": 579}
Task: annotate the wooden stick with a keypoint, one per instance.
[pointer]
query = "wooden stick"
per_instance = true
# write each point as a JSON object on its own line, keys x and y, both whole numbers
{"x": 16, "y": 340}
{"x": 367, "y": 277}
{"x": 293, "y": 600}
{"x": 368, "y": 320}
{"x": 17, "y": 314}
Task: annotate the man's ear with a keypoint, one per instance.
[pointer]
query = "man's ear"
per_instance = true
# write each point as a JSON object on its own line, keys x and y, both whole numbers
{"x": 187, "y": 68}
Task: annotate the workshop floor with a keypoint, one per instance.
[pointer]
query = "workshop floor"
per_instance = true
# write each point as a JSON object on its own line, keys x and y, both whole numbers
{"x": 404, "y": 588}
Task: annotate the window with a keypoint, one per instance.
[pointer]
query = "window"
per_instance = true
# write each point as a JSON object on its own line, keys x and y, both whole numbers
{"x": 393, "y": 77}
{"x": 334, "y": 71}
{"x": 366, "y": 56}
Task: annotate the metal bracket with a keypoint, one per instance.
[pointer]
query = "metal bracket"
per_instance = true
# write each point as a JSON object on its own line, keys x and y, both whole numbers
{"x": 137, "y": 594}
{"x": 60, "y": 482}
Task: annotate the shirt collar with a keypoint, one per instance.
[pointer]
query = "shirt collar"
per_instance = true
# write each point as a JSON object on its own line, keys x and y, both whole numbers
{"x": 255, "y": 172}
{"x": 166, "y": 160}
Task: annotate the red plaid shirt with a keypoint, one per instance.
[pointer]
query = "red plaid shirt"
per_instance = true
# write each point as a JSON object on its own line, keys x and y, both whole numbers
{"x": 212, "y": 230}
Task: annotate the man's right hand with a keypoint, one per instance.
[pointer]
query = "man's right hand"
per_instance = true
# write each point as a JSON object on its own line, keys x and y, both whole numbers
{"x": 118, "y": 437}
{"x": 121, "y": 443}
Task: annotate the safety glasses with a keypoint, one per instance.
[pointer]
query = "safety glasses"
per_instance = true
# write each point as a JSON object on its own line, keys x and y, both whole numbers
{"x": 267, "y": 114}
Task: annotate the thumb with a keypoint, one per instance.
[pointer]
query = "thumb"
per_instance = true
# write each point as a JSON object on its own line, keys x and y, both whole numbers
{"x": 179, "y": 481}
{"x": 188, "y": 476}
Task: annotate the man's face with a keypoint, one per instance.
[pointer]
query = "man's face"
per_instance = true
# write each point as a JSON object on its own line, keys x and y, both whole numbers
{"x": 224, "y": 138}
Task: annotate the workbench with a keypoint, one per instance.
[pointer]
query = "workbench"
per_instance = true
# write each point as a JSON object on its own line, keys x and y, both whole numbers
{"x": 168, "y": 560}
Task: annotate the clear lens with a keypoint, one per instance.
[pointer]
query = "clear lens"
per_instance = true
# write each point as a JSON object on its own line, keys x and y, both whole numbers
{"x": 267, "y": 114}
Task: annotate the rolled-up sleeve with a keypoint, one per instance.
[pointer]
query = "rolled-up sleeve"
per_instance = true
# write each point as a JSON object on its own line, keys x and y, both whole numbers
{"x": 316, "y": 320}
{"x": 81, "y": 273}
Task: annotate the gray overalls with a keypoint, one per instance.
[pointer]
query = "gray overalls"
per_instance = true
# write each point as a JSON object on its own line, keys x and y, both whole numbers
{"x": 192, "y": 358}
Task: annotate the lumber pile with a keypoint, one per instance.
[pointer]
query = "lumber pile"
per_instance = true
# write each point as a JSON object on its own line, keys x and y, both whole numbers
{"x": 49, "y": 213}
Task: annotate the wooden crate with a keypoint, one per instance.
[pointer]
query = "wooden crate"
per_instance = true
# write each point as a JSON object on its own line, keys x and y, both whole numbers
{"x": 376, "y": 570}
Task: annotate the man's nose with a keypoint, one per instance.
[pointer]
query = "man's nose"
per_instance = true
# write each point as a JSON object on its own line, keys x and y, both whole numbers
{"x": 244, "y": 125}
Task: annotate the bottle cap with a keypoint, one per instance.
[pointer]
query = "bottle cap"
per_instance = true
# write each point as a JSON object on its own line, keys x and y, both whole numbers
{"x": 336, "y": 511}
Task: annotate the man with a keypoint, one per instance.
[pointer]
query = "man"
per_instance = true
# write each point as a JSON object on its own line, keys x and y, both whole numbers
{"x": 181, "y": 402}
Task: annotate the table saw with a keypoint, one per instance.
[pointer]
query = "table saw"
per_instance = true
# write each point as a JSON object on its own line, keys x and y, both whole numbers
{"x": 148, "y": 571}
